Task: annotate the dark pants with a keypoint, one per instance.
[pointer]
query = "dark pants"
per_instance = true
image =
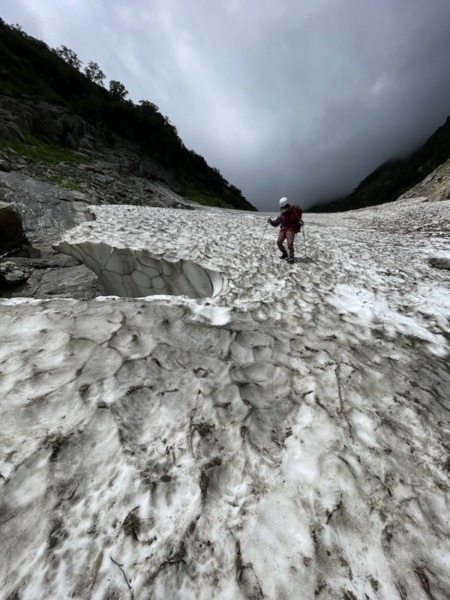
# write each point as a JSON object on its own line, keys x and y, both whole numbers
{"x": 288, "y": 235}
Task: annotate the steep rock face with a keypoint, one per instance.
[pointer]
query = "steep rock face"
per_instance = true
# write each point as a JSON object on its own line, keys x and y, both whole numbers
{"x": 20, "y": 118}
{"x": 59, "y": 126}
{"x": 16, "y": 119}
{"x": 107, "y": 173}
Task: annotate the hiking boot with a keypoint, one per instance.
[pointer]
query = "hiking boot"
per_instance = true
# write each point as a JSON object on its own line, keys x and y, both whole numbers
{"x": 283, "y": 256}
{"x": 290, "y": 260}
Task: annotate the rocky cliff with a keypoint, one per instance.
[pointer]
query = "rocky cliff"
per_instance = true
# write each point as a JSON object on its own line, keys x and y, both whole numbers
{"x": 53, "y": 165}
{"x": 51, "y": 144}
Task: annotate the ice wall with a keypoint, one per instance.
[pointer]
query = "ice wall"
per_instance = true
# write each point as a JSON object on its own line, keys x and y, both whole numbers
{"x": 136, "y": 273}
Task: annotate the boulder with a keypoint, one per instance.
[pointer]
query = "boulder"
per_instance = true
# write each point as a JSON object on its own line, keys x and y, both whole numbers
{"x": 11, "y": 230}
{"x": 12, "y": 275}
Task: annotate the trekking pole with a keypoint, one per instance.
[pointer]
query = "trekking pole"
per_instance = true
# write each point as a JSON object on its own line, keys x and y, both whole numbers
{"x": 264, "y": 233}
{"x": 304, "y": 240}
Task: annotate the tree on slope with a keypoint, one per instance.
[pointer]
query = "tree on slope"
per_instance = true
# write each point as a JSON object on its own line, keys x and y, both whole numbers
{"x": 117, "y": 89}
{"x": 94, "y": 73}
{"x": 69, "y": 56}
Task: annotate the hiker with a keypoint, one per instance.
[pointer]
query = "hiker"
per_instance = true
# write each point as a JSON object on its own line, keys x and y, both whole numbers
{"x": 290, "y": 221}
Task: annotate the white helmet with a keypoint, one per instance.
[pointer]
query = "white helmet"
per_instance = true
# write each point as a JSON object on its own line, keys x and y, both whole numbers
{"x": 283, "y": 202}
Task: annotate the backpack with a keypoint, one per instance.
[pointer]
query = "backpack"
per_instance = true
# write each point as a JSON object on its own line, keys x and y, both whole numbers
{"x": 298, "y": 214}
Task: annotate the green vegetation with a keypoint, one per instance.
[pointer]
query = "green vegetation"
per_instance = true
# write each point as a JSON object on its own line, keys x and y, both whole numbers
{"x": 205, "y": 200}
{"x": 396, "y": 177}
{"x": 43, "y": 151}
{"x": 47, "y": 153}
{"x": 61, "y": 181}
{"x": 30, "y": 70}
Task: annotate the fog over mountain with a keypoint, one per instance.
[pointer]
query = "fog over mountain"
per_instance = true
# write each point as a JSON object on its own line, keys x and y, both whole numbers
{"x": 297, "y": 99}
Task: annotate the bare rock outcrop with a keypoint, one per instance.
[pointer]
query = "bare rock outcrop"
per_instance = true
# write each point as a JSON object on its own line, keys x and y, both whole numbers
{"x": 24, "y": 117}
{"x": 119, "y": 158}
{"x": 434, "y": 187}
{"x": 42, "y": 211}
{"x": 46, "y": 209}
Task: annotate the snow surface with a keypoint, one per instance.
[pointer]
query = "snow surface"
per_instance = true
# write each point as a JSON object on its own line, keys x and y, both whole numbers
{"x": 280, "y": 433}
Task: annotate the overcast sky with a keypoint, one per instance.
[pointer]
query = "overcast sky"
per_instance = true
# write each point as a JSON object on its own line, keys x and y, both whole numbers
{"x": 285, "y": 97}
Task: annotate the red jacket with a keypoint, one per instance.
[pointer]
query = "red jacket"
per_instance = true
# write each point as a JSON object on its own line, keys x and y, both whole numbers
{"x": 291, "y": 219}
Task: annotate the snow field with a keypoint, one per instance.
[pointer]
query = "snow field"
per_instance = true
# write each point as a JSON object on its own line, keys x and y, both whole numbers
{"x": 284, "y": 438}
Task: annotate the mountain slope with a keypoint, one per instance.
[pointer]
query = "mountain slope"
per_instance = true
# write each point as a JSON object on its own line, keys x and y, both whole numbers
{"x": 394, "y": 178}
{"x": 33, "y": 72}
